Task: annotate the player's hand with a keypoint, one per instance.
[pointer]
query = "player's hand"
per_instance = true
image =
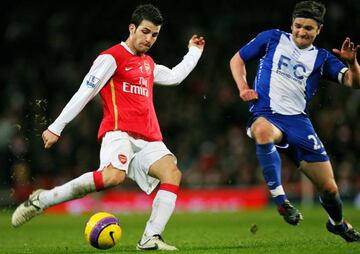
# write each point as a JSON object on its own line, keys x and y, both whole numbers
{"x": 49, "y": 138}
{"x": 248, "y": 95}
{"x": 347, "y": 51}
{"x": 197, "y": 41}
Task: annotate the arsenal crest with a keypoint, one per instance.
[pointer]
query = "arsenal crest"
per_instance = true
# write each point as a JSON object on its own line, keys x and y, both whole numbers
{"x": 122, "y": 158}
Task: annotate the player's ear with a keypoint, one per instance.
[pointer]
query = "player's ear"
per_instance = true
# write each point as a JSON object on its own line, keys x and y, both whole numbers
{"x": 319, "y": 28}
{"x": 132, "y": 28}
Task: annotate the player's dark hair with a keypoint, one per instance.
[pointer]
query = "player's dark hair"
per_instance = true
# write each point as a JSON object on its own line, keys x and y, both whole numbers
{"x": 146, "y": 12}
{"x": 310, "y": 9}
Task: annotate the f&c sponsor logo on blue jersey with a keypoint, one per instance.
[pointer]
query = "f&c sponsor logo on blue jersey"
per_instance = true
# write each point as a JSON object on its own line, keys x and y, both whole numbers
{"x": 288, "y": 68}
{"x": 92, "y": 81}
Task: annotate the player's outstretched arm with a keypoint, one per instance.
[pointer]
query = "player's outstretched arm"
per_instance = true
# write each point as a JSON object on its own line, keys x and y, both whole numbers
{"x": 238, "y": 70}
{"x": 100, "y": 72}
{"x": 166, "y": 76}
{"x": 348, "y": 54}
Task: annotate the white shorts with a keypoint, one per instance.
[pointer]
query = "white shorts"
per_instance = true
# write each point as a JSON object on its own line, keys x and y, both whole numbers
{"x": 132, "y": 155}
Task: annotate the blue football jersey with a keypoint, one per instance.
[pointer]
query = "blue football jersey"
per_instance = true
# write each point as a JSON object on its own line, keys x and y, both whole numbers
{"x": 287, "y": 76}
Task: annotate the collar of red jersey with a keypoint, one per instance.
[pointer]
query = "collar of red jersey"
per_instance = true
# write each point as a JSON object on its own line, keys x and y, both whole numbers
{"x": 126, "y": 47}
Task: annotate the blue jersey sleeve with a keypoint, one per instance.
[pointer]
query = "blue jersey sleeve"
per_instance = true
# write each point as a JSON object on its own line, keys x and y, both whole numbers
{"x": 256, "y": 48}
{"x": 332, "y": 67}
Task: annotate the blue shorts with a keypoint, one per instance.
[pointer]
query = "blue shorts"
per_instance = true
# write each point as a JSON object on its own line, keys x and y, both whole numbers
{"x": 300, "y": 140}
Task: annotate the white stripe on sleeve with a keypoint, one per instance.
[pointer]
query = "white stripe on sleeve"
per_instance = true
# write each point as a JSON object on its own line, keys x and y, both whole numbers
{"x": 341, "y": 74}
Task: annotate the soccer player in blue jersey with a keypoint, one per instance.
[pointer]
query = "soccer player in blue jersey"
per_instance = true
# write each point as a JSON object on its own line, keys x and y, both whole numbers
{"x": 287, "y": 77}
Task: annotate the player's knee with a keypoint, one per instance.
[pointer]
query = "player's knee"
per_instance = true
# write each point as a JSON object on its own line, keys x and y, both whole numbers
{"x": 173, "y": 175}
{"x": 112, "y": 176}
{"x": 329, "y": 189}
{"x": 262, "y": 133}
{"x": 176, "y": 174}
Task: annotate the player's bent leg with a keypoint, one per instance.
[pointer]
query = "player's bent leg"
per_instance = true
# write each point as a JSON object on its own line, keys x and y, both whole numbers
{"x": 163, "y": 206}
{"x": 321, "y": 174}
{"x": 266, "y": 135}
{"x": 270, "y": 162}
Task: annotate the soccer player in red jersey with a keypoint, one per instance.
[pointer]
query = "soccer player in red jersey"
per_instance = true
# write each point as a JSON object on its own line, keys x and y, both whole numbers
{"x": 130, "y": 136}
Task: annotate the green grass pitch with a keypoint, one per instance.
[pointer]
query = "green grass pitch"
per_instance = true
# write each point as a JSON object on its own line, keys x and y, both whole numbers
{"x": 191, "y": 232}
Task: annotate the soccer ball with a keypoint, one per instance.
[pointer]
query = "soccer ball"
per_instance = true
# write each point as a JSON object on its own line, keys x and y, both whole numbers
{"x": 103, "y": 231}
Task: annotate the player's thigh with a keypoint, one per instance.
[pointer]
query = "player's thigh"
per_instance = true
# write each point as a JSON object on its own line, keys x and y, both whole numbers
{"x": 115, "y": 156}
{"x": 321, "y": 174}
{"x": 166, "y": 170}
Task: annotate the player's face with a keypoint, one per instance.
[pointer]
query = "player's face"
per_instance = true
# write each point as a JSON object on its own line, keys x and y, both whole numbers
{"x": 304, "y": 31}
{"x": 143, "y": 36}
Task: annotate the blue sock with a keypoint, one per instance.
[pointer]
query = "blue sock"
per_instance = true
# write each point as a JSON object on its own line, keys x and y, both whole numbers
{"x": 333, "y": 207}
{"x": 270, "y": 162}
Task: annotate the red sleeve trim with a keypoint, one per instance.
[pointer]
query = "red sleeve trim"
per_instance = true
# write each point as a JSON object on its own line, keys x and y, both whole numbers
{"x": 54, "y": 133}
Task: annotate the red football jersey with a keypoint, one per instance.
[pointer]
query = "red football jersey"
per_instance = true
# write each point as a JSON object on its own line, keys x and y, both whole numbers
{"x": 128, "y": 96}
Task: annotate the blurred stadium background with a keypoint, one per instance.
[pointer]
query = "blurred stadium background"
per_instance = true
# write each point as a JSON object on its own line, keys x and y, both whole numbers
{"x": 48, "y": 48}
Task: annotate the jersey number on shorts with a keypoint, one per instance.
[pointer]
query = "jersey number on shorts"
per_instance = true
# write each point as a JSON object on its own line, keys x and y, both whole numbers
{"x": 317, "y": 143}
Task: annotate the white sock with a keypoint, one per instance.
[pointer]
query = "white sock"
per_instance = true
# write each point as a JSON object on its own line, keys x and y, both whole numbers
{"x": 74, "y": 189}
{"x": 162, "y": 209}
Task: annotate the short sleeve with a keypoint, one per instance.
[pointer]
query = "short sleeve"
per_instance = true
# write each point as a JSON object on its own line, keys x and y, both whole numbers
{"x": 256, "y": 48}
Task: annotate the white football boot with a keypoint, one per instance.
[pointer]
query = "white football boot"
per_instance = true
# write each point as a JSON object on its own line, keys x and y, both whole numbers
{"x": 155, "y": 243}
{"x": 27, "y": 210}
